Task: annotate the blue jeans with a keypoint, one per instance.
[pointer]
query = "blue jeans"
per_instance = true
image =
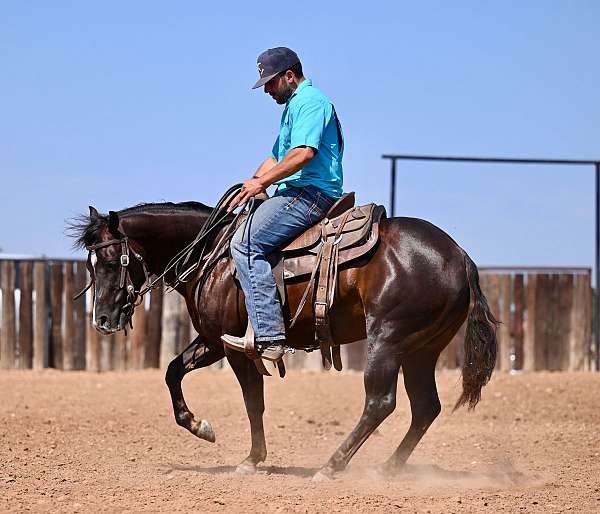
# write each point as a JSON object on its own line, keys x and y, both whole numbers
{"x": 273, "y": 224}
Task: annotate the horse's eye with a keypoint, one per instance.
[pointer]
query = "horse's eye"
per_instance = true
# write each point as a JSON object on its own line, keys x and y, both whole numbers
{"x": 112, "y": 265}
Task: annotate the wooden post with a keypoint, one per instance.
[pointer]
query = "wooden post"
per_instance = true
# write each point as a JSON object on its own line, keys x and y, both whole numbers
{"x": 484, "y": 279}
{"x": 447, "y": 358}
{"x": 591, "y": 364}
{"x": 550, "y": 336}
{"x": 505, "y": 343}
{"x": 40, "y": 340}
{"x": 530, "y": 342}
{"x": 458, "y": 341}
{"x": 69, "y": 334}
{"x": 558, "y": 354}
{"x": 554, "y": 300}
{"x": 185, "y": 327}
{"x": 546, "y": 322}
{"x": 8, "y": 331}
{"x": 138, "y": 338}
{"x": 92, "y": 337}
{"x": 153, "y": 327}
{"x": 119, "y": 355}
{"x": 296, "y": 361}
{"x": 106, "y": 352}
{"x": 543, "y": 320}
{"x": 80, "y": 317}
{"x": 450, "y": 356}
{"x": 354, "y": 355}
{"x": 26, "y": 315}
{"x": 491, "y": 286}
{"x": 170, "y": 328}
{"x": 312, "y": 361}
{"x": 579, "y": 335}
{"x": 56, "y": 306}
{"x": 518, "y": 320}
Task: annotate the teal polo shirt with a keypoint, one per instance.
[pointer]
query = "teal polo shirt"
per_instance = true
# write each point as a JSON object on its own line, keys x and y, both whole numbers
{"x": 309, "y": 119}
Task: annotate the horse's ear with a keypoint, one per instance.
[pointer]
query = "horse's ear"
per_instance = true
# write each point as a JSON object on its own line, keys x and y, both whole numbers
{"x": 93, "y": 214}
{"x": 113, "y": 222}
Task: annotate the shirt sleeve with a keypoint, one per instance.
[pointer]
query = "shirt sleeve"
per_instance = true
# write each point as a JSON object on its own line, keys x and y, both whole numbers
{"x": 309, "y": 124}
{"x": 275, "y": 150}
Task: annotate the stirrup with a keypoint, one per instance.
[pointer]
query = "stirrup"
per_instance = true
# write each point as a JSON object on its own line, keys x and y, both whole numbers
{"x": 246, "y": 344}
{"x": 270, "y": 354}
{"x": 240, "y": 344}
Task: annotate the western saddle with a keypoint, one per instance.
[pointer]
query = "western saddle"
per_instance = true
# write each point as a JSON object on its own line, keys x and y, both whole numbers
{"x": 346, "y": 233}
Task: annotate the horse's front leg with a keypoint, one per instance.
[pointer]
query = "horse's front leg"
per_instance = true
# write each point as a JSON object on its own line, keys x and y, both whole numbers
{"x": 198, "y": 354}
{"x": 251, "y": 382}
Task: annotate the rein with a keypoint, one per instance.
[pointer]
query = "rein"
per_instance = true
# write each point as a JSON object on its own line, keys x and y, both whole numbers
{"x": 135, "y": 298}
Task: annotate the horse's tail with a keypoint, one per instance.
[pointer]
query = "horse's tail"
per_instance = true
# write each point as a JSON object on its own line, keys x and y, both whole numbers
{"x": 480, "y": 342}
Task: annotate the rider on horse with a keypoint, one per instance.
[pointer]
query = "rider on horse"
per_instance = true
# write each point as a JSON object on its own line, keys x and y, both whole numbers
{"x": 306, "y": 166}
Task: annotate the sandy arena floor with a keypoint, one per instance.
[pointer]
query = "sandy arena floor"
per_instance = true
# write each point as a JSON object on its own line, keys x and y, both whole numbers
{"x": 82, "y": 442}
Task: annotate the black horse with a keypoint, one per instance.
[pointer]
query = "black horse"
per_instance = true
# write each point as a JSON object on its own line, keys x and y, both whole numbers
{"x": 408, "y": 300}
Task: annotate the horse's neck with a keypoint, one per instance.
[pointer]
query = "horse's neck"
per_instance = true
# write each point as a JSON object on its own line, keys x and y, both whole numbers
{"x": 162, "y": 235}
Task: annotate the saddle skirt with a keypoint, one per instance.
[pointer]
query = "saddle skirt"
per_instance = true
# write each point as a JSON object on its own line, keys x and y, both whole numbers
{"x": 359, "y": 233}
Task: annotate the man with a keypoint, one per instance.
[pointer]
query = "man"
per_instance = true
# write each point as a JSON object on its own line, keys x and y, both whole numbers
{"x": 306, "y": 166}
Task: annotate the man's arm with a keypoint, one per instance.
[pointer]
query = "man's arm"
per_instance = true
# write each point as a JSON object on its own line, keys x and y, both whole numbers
{"x": 265, "y": 166}
{"x": 294, "y": 160}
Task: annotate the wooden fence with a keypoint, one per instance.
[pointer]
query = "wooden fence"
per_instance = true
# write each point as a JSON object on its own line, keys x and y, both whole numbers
{"x": 546, "y": 316}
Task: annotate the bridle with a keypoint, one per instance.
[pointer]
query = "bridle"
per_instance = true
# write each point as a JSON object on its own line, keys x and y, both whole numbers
{"x": 134, "y": 298}
{"x": 179, "y": 261}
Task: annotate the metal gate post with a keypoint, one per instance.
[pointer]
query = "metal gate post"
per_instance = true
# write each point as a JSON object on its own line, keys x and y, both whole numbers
{"x": 597, "y": 269}
{"x": 393, "y": 189}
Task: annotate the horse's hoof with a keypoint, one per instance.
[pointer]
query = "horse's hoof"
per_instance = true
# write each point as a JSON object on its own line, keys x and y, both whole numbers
{"x": 246, "y": 468}
{"x": 205, "y": 431}
{"x": 321, "y": 476}
{"x": 385, "y": 471}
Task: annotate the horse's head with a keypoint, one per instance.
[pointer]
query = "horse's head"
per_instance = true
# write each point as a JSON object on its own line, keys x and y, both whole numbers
{"x": 116, "y": 266}
{"x": 123, "y": 245}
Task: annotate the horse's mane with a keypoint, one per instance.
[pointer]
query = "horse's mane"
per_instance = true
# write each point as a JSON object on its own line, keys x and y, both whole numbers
{"x": 166, "y": 207}
{"x": 85, "y": 230}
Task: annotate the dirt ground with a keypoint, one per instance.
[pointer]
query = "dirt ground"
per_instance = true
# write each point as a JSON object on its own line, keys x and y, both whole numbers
{"x": 81, "y": 442}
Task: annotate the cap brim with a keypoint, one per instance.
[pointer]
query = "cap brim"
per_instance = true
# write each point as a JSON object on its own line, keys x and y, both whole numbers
{"x": 263, "y": 80}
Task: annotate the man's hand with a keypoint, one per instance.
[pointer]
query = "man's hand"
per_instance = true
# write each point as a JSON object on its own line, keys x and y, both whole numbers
{"x": 250, "y": 188}
{"x": 270, "y": 171}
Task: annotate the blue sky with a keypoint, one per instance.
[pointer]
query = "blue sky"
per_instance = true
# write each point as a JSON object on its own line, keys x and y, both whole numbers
{"x": 115, "y": 103}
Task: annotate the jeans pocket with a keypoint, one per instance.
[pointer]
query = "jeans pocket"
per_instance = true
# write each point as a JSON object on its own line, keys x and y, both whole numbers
{"x": 315, "y": 214}
{"x": 294, "y": 199}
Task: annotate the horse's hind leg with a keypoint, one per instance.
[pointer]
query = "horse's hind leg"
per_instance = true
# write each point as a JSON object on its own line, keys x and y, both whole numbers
{"x": 381, "y": 379}
{"x": 251, "y": 382}
{"x": 197, "y": 355}
{"x": 419, "y": 379}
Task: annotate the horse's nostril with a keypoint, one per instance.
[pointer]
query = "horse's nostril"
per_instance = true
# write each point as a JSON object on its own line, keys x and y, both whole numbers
{"x": 103, "y": 321}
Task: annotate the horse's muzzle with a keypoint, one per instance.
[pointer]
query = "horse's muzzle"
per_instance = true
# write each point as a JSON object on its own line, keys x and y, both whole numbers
{"x": 104, "y": 326}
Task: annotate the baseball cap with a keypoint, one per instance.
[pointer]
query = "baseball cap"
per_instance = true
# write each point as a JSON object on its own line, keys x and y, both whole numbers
{"x": 274, "y": 61}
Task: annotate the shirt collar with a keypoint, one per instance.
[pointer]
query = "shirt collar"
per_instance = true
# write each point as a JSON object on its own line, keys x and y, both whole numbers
{"x": 303, "y": 85}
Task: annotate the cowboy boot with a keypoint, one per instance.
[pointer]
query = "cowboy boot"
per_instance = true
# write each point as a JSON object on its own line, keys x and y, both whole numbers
{"x": 269, "y": 350}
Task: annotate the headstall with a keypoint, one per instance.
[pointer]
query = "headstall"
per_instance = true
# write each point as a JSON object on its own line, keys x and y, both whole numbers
{"x": 134, "y": 298}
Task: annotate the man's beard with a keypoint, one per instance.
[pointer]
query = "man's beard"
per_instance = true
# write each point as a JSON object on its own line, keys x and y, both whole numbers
{"x": 284, "y": 95}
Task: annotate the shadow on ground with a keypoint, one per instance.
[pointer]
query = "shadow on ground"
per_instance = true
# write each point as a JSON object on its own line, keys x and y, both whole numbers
{"x": 296, "y": 471}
